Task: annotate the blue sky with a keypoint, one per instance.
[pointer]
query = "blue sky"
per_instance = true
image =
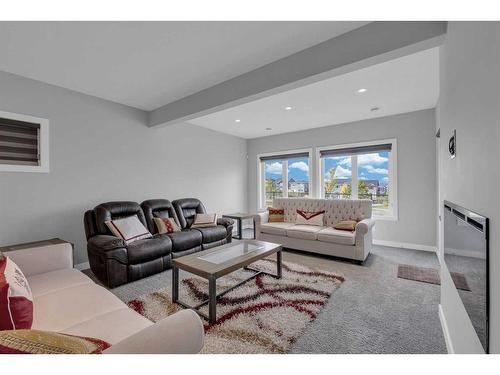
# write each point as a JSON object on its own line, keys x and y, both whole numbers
{"x": 370, "y": 167}
{"x": 298, "y": 169}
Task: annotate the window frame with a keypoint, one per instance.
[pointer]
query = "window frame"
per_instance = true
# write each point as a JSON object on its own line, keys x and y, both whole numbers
{"x": 393, "y": 173}
{"x": 261, "y": 196}
{"x": 43, "y": 144}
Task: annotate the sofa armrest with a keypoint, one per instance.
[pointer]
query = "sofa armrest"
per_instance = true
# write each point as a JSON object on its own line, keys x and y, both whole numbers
{"x": 180, "y": 333}
{"x": 42, "y": 259}
{"x": 102, "y": 247}
{"x": 364, "y": 226}
{"x": 261, "y": 218}
{"x": 225, "y": 221}
{"x": 106, "y": 243}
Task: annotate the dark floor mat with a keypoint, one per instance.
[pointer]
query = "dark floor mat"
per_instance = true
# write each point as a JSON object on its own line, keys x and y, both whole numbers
{"x": 430, "y": 275}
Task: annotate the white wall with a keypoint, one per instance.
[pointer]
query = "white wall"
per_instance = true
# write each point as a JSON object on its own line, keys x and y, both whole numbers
{"x": 415, "y": 134}
{"x": 469, "y": 102}
{"x": 102, "y": 151}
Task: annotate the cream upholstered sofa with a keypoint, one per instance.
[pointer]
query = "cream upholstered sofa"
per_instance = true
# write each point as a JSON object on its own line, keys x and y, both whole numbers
{"x": 325, "y": 239}
{"x": 67, "y": 301}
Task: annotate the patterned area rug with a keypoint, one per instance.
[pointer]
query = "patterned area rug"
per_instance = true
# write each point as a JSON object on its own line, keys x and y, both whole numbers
{"x": 264, "y": 315}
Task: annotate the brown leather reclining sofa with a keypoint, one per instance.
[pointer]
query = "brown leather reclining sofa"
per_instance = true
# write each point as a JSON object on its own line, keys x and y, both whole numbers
{"x": 115, "y": 263}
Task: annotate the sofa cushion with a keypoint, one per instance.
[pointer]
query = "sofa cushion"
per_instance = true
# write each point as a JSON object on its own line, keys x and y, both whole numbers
{"x": 276, "y": 215}
{"x": 211, "y": 234}
{"x": 31, "y": 341}
{"x": 304, "y": 232}
{"x": 349, "y": 225}
{"x": 166, "y": 225}
{"x": 186, "y": 210}
{"x": 56, "y": 280}
{"x": 148, "y": 249}
{"x": 278, "y": 229}
{"x": 16, "y": 298}
{"x": 67, "y": 307}
{"x": 185, "y": 240}
{"x": 204, "y": 221}
{"x": 332, "y": 235}
{"x": 111, "y": 327}
{"x": 310, "y": 217}
{"x": 130, "y": 229}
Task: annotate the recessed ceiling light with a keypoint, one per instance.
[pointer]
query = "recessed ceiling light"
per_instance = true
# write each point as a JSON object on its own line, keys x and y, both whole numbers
{"x": 269, "y": 128}
{"x": 288, "y": 108}
{"x": 374, "y": 109}
{"x": 237, "y": 120}
{"x": 362, "y": 91}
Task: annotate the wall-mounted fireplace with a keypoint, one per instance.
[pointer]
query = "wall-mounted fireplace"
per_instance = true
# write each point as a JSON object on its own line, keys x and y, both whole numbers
{"x": 466, "y": 257}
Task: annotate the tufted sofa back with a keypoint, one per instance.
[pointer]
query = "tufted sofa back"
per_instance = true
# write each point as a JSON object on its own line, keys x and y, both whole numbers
{"x": 335, "y": 209}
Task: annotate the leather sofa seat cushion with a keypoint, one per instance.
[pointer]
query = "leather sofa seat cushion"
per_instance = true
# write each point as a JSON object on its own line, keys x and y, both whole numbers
{"x": 304, "y": 232}
{"x": 193, "y": 250}
{"x": 332, "y": 235}
{"x": 67, "y": 307}
{"x": 111, "y": 327}
{"x": 185, "y": 240}
{"x": 278, "y": 229}
{"x": 148, "y": 249}
{"x": 56, "y": 280}
{"x": 211, "y": 234}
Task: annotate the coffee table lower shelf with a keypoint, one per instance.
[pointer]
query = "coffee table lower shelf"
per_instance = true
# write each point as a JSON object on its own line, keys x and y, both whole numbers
{"x": 212, "y": 287}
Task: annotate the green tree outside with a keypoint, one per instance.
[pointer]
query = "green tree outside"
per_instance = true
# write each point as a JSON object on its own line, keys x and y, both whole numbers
{"x": 332, "y": 181}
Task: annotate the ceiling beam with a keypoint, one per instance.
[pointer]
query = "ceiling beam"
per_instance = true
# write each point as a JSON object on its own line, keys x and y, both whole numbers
{"x": 368, "y": 45}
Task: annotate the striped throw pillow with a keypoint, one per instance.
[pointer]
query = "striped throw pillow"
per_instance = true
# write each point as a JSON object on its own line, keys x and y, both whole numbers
{"x": 28, "y": 341}
{"x": 276, "y": 215}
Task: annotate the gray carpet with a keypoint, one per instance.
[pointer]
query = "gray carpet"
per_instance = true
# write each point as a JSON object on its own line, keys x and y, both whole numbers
{"x": 372, "y": 312}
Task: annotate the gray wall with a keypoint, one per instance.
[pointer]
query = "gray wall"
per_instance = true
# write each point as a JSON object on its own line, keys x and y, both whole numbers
{"x": 415, "y": 133}
{"x": 469, "y": 102}
{"x": 102, "y": 151}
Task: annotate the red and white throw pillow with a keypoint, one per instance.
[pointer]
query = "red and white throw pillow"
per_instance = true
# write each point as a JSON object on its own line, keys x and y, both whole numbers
{"x": 204, "y": 221}
{"x": 129, "y": 229}
{"x": 166, "y": 225}
{"x": 276, "y": 215}
{"x": 16, "y": 300}
{"x": 310, "y": 218}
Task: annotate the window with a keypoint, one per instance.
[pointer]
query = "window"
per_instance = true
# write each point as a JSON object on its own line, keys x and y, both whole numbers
{"x": 284, "y": 175}
{"x": 23, "y": 143}
{"x": 362, "y": 171}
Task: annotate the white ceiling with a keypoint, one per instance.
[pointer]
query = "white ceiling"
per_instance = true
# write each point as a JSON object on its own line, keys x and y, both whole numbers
{"x": 150, "y": 64}
{"x": 402, "y": 85}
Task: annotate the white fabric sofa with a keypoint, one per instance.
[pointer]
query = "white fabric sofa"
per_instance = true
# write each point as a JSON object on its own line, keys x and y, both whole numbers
{"x": 67, "y": 301}
{"x": 323, "y": 240}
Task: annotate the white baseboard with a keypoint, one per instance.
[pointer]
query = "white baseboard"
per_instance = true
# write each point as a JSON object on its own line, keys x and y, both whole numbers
{"x": 465, "y": 253}
{"x": 405, "y": 245}
{"x": 82, "y": 266}
{"x": 446, "y": 332}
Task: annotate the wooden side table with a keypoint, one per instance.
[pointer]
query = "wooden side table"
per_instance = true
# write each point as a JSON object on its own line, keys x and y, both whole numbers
{"x": 239, "y": 217}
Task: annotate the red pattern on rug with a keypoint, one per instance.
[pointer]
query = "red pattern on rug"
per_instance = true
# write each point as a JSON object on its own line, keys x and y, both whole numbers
{"x": 264, "y": 315}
